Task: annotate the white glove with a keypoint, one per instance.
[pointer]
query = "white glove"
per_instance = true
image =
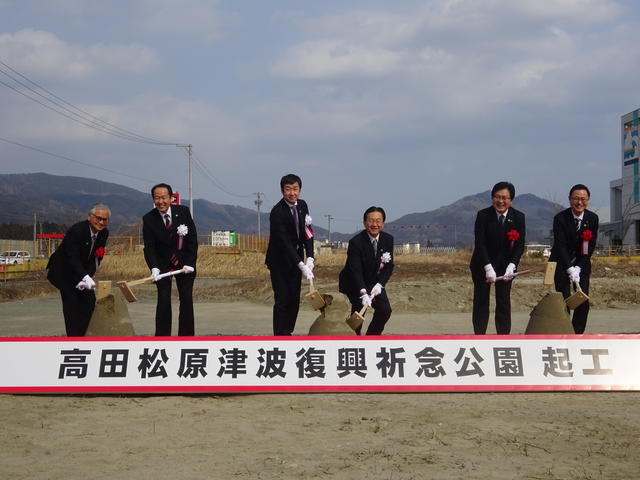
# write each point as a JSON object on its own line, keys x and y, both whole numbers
{"x": 89, "y": 283}
{"x": 155, "y": 272}
{"x": 366, "y": 300}
{"x": 489, "y": 273}
{"x": 81, "y": 285}
{"x": 188, "y": 269}
{"x": 376, "y": 290}
{"x": 310, "y": 263}
{"x": 306, "y": 271}
{"x": 574, "y": 274}
{"x": 509, "y": 273}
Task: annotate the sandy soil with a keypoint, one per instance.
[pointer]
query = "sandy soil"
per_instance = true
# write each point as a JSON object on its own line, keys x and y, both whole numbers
{"x": 343, "y": 436}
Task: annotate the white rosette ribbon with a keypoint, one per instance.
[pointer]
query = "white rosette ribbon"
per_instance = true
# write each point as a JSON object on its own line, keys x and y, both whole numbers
{"x": 182, "y": 231}
{"x": 385, "y": 258}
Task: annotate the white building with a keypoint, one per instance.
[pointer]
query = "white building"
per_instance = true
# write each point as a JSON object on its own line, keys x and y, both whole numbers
{"x": 624, "y": 227}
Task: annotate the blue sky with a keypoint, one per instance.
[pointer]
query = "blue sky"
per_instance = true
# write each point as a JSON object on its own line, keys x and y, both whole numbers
{"x": 408, "y": 105}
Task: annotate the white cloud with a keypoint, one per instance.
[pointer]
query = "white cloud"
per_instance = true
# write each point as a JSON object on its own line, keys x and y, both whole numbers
{"x": 36, "y": 51}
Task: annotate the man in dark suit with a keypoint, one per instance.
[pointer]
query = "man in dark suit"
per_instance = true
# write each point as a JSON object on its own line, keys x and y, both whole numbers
{"x": 72, "y": 265}
{"x": 575, "y": 231}
{"x": 171, "y": 243}
{"x": 499, "y": 244}
{"x": 290, "y": 238}
{"x": 368, "y": 269}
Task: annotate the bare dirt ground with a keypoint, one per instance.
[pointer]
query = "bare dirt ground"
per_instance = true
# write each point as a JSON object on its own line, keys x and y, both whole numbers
{"x": 559, "y": 435}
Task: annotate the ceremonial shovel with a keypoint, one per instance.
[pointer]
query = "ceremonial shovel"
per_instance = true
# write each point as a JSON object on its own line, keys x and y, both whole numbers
{"x": 548, "y": 268}
{"x": 125, "y": 286}
{"x": 314, "y": 297}
{"x": 577, "y": 298}
{"x": 357, "y": 318}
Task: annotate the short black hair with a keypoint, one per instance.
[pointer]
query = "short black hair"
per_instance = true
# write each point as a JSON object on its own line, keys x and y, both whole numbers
{"x": 374, "y": 209}
{"x": 501, "y": 186}
{"x": 162, "y": 185}
{"x": 290, "y": 179}
{"x": 579, "y": 186}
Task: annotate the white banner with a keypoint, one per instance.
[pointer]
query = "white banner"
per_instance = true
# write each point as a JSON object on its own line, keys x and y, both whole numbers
{"x": 294, "y": 364}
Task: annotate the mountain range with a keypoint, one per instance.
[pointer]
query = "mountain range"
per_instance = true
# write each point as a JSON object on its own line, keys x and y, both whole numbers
{"x": 64, "y": 200}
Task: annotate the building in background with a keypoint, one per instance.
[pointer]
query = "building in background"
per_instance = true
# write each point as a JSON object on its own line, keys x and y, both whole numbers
{"x": 624, "y": 227}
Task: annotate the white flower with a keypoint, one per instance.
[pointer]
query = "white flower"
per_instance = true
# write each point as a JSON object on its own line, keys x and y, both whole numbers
{"x": 307, "y": 219}
{"x": 386, "y": 257}
{"x": 182, "y": 230}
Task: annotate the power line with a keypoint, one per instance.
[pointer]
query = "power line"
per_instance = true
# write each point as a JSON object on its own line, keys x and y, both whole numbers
{"x": 73, "y": 160}
{"x": 74, "y": 113}
{"x": 211, "y": 177}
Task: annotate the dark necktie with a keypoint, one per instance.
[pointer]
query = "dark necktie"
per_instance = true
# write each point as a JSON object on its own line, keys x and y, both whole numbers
{"x": 501, "y": 220}
{"x": 294, "y": 212}
{"x": 93, "y": 242}
{"x": 167, "y": 221}
{"x": 577, "y": 223}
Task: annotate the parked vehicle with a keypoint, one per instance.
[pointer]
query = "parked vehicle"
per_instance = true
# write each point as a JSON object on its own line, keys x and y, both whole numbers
{"x": 14, "y": 257}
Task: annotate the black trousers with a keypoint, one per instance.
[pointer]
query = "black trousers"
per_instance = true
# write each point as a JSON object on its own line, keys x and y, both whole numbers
{"x": 381, "y": 314}
{"x": 480, "y": 316}
{"x": 286, "y": 298}
{"x": 77, "y": 308}
{"x": 186, "y": 328}
{"x": 580, "y": 314}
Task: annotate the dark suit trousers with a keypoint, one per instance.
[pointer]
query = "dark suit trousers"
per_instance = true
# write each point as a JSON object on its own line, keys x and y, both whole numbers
{"x": 480, "y": 316}
{"x": 186, "y": 327}
{"x": 286, "y": 298}
{"x": 77, "y": 308}
{"x": 580, "y": 314}
{"x": 382, "y": 312}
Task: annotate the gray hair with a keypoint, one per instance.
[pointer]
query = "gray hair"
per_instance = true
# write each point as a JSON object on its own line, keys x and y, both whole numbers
{"x": 99, "y": 206}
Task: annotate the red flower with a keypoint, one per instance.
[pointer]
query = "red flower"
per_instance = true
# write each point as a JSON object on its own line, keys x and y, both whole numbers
{"x": 513, "y": 235}
{"x": 586, "y": 235}
{"x": 99, "y": 253}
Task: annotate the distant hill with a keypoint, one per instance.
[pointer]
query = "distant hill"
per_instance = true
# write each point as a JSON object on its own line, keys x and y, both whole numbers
{"x": 64, "y": 201}
{"x": 453, "y": 224}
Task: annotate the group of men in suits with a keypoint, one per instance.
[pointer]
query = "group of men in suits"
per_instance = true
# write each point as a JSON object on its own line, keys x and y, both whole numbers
{"x": 290, "y": 256}
{"x": 170, "y": 243}
{"x": 499, "y": 244}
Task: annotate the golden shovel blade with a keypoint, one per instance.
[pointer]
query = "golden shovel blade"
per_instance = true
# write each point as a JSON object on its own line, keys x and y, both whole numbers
{"x": 315, "y": 300}
{"x": 355, "y": 320}
{"x": 577, "y": 298}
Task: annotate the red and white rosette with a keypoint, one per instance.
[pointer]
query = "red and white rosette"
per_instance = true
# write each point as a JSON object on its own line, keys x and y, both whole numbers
{"x": 182, "y": 231}
{"x": 586, "y": 236}
{"x": 513, "y": 236}
{"x": 385, "y": 258}
{"x": 308, "y": 231}
{"x": 98, "y": 254}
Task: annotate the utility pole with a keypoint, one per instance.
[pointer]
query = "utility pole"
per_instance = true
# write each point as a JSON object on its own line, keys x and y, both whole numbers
{"x": 188, "y": 147}
{"x": 257, "y": 203}
{"x": 35, "y": 246}
{"x": 329, "y": 218}
{"x": 190, "y": 183}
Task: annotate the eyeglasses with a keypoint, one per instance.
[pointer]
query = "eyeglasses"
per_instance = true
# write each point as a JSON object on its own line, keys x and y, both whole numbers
{"x": 100, "y": 219}
{"x": 501, "y": 197}
{"x": 579, "y": 199}
{"x": 375, "y": 222}
{"x": 164, "y": 197}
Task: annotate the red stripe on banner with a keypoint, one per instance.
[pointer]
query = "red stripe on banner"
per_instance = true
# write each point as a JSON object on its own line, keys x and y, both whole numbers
{"x": 325, "y": 388}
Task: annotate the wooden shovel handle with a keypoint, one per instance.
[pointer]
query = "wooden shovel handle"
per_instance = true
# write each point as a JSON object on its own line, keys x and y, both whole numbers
{"x": 576, "y": 285}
